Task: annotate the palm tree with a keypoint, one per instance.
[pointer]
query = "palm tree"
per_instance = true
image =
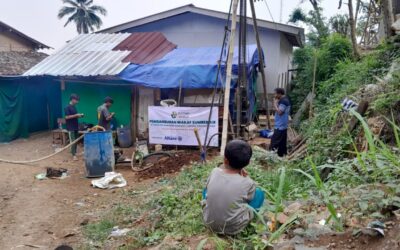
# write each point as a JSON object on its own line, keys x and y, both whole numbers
{"x": 83, "y": 13}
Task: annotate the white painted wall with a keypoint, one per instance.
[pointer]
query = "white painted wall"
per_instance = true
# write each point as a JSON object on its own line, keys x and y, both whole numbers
{"x": 195, "y": 30}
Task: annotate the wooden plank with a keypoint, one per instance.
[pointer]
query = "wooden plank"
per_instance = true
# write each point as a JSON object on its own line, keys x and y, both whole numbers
{"x": 261, "y": 62}
{"x": 228, "y": 77}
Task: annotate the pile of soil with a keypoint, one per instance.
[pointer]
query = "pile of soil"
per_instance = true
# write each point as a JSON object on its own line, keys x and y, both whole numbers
{"x": 167, "y": 165}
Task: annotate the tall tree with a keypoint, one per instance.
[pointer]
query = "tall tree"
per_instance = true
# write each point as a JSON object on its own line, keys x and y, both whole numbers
{"x": 340, "y": 24}
{"x": 388, "y": 17}
{"x": 322, "y": 28}
{"x": 352, "y": 23}
{"x": 83, "y": 13}
{"x": 315, "y": 19}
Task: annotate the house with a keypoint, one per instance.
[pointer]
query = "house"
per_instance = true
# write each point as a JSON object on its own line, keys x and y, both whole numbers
{"x": 18, "y": 52}
{"x": 137, "y": 70}
{"x": 191, "y": 26}
{"x": 24, "y": 106}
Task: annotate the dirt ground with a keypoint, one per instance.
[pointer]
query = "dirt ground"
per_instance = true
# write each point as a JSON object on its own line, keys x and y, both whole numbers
{"x": 46, "y": 213}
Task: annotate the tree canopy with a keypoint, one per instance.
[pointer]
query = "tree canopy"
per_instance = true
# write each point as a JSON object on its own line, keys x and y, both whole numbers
{"x": 83, "y": 13}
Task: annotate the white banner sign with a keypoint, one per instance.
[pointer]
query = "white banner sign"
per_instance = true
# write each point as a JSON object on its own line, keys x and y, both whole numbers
{"x": 175, "y": 125}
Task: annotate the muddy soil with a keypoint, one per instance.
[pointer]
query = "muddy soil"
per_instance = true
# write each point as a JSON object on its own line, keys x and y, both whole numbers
{"x": 162, "y": 165}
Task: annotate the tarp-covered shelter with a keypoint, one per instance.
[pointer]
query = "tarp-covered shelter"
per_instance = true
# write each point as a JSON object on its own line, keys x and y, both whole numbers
{"x": 27, "y": 106}
{"x": 137, "y": 70}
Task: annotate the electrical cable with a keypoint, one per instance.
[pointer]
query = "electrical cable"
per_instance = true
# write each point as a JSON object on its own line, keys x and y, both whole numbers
{"x": 272, "y": 17}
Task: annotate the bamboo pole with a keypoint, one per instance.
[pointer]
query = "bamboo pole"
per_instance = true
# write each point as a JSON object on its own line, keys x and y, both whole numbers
{"x": 313, "y": 84}
{"x": 261, "y": 62}
{"x": 228, "y": 77}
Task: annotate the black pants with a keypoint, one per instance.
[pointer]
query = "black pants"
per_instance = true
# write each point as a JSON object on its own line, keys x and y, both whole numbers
{"x": 278, "y": 141}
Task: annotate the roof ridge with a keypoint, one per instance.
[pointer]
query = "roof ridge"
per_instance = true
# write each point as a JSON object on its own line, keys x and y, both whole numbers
{"x": 192, "y": 6}
{"x": 32, "y": 40}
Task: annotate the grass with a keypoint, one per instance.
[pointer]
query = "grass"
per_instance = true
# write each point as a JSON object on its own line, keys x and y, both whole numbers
{"x": 360, "y": 184}
{"x": 99, "y": 232}
{"x": 175, "y": 210}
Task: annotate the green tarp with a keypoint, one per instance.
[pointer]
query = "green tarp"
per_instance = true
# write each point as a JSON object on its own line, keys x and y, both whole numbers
{"x": 28, "y": 105}
{"x": 12, "y": 111}
{"x": 33, "y": 104}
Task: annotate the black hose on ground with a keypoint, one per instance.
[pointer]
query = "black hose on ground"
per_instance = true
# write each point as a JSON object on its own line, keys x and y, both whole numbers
{"x": 139, "y": 169}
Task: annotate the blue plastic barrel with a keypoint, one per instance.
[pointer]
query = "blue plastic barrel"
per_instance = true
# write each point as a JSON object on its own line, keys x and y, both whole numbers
{"x": 124, "y": 137}
{"x": 99, "y": 153}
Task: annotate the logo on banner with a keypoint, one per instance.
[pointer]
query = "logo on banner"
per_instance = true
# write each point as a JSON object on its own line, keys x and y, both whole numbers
{"x": 173, "y": 138}
{"x": 174, "y": 114}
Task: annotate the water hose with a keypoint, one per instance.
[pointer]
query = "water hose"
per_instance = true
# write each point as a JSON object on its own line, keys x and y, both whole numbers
{"x": 45, "y": 157}
{"x": 51, "y": 155}
{"x": 139, "y": 169}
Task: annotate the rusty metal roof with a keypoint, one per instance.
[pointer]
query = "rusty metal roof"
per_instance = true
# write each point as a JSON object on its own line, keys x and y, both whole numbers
{"x": 146, "y": 47}
{"x": 103, "y": 54}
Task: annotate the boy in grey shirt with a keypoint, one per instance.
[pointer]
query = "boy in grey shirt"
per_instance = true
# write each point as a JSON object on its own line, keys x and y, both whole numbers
{"x": 230, "y": 193}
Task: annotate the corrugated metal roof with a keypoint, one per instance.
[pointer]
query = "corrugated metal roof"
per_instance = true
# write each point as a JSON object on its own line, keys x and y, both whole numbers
{"x": 85, "y": 55}
{"x": 146, "y": 47}
{"x": 103, "y": 54}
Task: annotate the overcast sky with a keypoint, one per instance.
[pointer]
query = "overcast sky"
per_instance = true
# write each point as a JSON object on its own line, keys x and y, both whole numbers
{"x": 38, "y": 18}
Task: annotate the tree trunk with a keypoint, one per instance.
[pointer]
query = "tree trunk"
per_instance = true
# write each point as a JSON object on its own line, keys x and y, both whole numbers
{"x": 358, "y": 5}
{"x": 321, "y": 29}
{"x": 353, "y": 30}
{"x": 388, "y": 17}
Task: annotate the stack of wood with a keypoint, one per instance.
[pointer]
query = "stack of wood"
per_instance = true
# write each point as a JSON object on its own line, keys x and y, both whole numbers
{"x": 299, "y": 149}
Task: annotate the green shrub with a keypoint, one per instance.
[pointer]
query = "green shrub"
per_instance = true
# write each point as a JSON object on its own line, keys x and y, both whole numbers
{"x": 333, "y": 50}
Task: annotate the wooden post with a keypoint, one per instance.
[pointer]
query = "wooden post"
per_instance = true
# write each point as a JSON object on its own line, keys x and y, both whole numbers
{"x": 261, "y": 62}
{"x": 279, "y": 79}
{"x": 286, "y": 80}
{"x": 62, "y": 84}
{"x": 180, "y": 93}
{"x": 238, "y": 98}
{"x": 283, "y": 80}
{"x": 313, "y": 84}
{"x": 228, "y": 78}
{"x": 134, "y": 101}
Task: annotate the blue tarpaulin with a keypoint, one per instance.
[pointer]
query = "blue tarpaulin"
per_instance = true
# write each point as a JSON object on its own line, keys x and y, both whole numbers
{"x": 194, "y": 67}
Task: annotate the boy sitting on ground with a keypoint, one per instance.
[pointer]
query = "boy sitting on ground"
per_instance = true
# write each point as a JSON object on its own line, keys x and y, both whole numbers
{"x": 230, "y": 193}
